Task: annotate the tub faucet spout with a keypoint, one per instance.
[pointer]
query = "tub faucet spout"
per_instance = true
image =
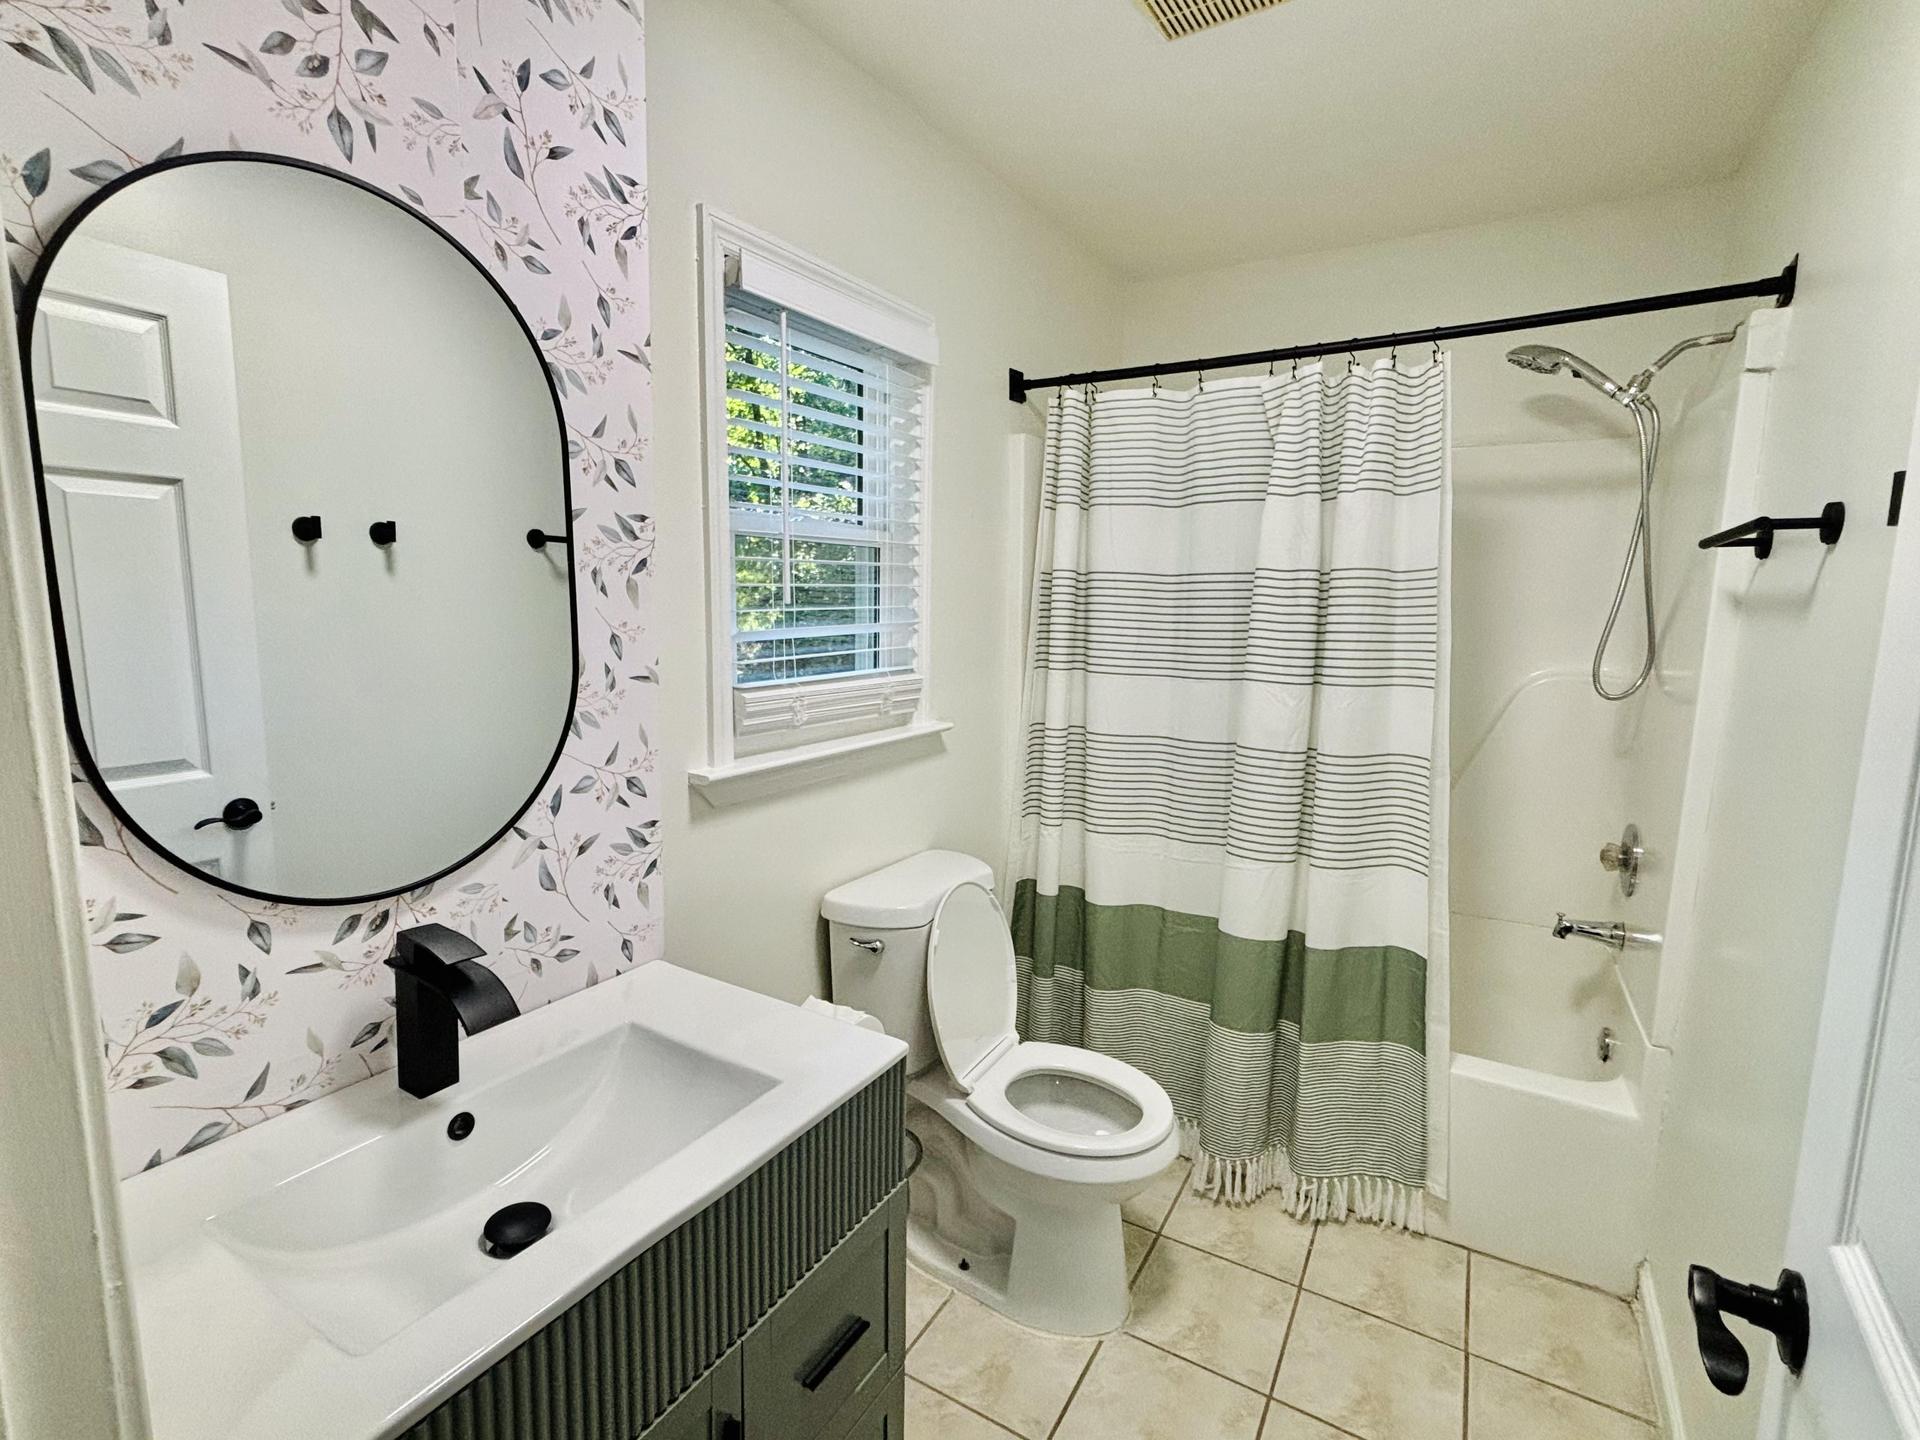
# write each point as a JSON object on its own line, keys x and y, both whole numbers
{"x": 1613, "y": 934}
{"x": 1610, "y": 933}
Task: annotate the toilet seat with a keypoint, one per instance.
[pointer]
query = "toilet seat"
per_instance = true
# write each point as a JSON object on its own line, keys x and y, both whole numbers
{"x": 1059, "y": 1098}
{"x": 1090, "y": 1126}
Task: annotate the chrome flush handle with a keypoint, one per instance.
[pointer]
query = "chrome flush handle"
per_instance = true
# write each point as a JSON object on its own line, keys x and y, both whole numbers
{"x": 873, "y": 947}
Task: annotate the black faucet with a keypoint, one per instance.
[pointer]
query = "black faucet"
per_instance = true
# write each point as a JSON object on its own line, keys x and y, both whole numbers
{"x": 440, "y": 986}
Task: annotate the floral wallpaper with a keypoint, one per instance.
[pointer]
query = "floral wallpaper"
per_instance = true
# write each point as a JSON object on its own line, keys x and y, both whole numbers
{"x": 520, "y": 126}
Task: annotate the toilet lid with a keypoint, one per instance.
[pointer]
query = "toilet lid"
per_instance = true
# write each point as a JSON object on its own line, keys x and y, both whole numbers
{"x": 972, "y": 985}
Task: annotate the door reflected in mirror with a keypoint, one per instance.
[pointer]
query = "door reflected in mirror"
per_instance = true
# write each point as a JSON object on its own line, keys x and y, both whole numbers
{"x": 292, "y": 441}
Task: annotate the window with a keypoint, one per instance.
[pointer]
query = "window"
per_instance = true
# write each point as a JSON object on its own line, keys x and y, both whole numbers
{"x": 818, "y": 408}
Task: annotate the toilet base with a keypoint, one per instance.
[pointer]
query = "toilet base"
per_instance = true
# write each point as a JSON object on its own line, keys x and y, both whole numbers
{"x": 1047, "y": 1254}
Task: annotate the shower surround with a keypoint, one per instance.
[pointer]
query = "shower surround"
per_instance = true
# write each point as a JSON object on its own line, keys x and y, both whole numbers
{"x": 1560, "y": 1046}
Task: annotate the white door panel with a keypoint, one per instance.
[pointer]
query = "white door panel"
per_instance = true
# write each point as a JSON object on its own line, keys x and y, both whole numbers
{"x": 135, "y": 399}
{"x": 94, "y": 357}
{"x": 132, "y": 622}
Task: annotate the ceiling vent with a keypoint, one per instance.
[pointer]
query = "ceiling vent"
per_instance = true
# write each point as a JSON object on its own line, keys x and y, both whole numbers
{"x": 1188, "y": 17}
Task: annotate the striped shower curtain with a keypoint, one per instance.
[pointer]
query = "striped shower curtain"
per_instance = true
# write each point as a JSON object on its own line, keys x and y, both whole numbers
{"x": 1229, "y": 858}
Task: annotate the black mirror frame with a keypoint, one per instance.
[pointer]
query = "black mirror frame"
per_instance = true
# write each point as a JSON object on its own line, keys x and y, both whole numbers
{"x": 29, "y": 300}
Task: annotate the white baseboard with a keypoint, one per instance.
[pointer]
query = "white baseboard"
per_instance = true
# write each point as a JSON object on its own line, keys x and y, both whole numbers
{"x": 1653, "y": 1344}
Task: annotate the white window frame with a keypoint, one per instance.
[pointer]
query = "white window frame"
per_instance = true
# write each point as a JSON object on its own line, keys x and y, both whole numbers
{"x": 825, "y": 294}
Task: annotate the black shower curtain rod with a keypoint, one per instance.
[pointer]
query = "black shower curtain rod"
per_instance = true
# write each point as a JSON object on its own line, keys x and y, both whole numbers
{"x": 1780, "y": 287}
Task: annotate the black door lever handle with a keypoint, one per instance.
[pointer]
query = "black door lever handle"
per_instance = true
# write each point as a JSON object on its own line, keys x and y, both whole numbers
{"x": 1781, "y": 1311}
{"x": 241, "y": 814}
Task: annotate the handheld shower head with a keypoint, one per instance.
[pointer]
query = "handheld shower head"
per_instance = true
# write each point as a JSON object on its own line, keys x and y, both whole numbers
{"x": 1551, "y": 360}
{"x": 1540, "y": 359}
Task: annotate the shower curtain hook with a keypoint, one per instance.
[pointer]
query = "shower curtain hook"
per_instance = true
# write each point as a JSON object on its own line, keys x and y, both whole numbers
{"x": 1156, "y": 385}
{"x": 1200, "y": 381}
{"x": 1393, "y": 357}
{"x": 1353, "y": 362}
{"x": 1436, "y": 352}
{"x": 1296, "y": 367}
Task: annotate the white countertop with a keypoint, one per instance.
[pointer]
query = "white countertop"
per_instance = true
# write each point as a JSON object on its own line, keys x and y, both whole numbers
{"x": 226, "y": 1358}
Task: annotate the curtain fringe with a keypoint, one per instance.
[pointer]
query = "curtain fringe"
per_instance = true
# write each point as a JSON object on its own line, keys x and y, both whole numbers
{"x": 1392, "y": 1204}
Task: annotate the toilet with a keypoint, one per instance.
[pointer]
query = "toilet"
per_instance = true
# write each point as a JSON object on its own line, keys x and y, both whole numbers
{"x": 1028, "y": 1149}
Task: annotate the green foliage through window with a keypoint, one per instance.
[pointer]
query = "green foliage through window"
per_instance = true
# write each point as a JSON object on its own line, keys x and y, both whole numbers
{"x": 823, "y": 569}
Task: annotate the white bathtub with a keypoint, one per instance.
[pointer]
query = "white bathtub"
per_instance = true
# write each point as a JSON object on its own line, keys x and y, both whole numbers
{"x": 1551, "y": 1147}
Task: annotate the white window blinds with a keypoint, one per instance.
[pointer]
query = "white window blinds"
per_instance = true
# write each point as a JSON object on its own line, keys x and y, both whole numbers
{"x": 826, "y": 444}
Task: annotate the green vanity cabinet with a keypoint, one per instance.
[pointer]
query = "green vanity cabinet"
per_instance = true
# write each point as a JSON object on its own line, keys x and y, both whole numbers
{"x": 825, "y": 1363}
{"x": 776, "y": 1313}
{"x": 818, "y": 1362}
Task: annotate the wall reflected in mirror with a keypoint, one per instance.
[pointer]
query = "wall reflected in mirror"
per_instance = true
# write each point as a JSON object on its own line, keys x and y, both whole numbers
{"x": 218, "y": 351}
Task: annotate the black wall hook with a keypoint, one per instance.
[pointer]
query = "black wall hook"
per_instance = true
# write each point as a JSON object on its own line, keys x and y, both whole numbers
{"x": 306, "y": 528}
{"x": 383, "y": 532}
{"x": 539, "y": 539}
{"x": 1758, "y": 533}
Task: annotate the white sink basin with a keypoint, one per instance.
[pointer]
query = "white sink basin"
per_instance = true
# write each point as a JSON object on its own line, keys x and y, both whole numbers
{"x": 338, "y": 1248}
{"x": 369, "y": 1241}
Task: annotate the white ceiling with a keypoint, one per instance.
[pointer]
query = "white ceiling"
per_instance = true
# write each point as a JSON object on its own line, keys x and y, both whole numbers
{"x": 1326, "y": 122}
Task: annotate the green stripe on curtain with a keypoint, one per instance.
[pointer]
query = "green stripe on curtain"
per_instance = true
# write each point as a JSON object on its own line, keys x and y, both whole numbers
{"x": 1362, "y": 992}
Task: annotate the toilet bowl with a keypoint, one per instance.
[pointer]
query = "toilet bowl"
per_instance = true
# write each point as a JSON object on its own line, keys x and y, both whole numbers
{"x": 1030, "y": 1148}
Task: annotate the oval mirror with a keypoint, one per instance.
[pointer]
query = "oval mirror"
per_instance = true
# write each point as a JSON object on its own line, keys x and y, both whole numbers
{"x": 303, "y": 484}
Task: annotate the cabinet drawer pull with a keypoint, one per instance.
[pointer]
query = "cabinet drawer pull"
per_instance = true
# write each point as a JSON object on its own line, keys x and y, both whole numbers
{"x": 849, "y": 1336}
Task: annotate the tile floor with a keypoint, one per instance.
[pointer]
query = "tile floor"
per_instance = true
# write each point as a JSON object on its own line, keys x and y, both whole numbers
{"x": 1248, "y": 1325}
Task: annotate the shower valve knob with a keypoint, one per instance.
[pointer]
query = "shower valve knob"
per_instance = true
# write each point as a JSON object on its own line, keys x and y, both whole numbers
{"x": 1623, "y": 857}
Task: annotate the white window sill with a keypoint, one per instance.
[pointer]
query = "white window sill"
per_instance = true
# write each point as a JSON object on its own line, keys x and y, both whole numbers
{"x": 759, "y": 776}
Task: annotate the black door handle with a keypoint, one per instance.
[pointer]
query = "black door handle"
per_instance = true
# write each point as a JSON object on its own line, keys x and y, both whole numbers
{"x": 1782, "y": 1311}
{"x": 241, "y": 814}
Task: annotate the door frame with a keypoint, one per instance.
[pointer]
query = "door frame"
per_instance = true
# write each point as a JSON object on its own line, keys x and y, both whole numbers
{"x": 1873, "y": 900}
{"x": 69, "y": 1353}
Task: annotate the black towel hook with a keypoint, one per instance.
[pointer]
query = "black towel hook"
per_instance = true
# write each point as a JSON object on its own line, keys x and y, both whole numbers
{"x": 539, "y": 539}
{"x": 1757, "y": 534}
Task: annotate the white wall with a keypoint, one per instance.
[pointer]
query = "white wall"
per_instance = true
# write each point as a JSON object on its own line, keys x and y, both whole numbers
{"x": 733, "y": 90}
{"x": 413, "y": 695}
{"x": 1833, "y": 177}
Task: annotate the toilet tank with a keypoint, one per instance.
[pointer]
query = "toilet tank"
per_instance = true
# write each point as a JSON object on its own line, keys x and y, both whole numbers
{"x": 894, "y": 907}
